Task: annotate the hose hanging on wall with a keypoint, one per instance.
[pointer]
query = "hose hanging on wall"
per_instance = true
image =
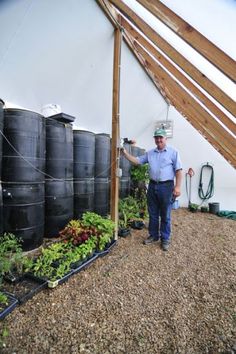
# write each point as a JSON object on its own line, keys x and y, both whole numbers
{"x": 210, "y": 188}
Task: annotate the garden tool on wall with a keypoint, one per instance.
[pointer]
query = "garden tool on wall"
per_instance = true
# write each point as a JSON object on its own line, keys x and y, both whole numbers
{"x": 189, "y": 176}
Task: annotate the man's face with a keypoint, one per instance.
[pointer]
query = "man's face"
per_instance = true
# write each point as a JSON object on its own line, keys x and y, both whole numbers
{"x": 160, "y": 142}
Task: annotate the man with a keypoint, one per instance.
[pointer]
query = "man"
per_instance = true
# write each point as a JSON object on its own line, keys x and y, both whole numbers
{"x": 165, "y": 172}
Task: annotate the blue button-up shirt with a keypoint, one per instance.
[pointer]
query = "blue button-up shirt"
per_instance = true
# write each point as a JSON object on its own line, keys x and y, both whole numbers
{"x": 163, "y": 164}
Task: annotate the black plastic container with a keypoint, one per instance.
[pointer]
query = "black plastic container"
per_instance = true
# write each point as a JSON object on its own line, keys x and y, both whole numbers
{"x": 125, "y": 165}
{"x": 23, "y": 212}
{"x": 83, "y": 196}
{"x": 102, "y": 155}
{"x": 59, "y": 206}
{"x": 84, "y": 154}
{"x": 1, "y": 130}
{"x": 25, "y": 130}
{"x": 124, "y": 187}
{"x": 214, "y": 208}
{"x": 101, "y": 196}
{"x": 59, "y": 148}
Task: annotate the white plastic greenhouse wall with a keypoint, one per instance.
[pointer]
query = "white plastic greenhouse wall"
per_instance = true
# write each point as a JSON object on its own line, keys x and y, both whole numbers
{"x": 61, "y": 52}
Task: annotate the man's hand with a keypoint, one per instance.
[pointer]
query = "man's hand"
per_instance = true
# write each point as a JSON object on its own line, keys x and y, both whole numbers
{"x": 176, "y": 191}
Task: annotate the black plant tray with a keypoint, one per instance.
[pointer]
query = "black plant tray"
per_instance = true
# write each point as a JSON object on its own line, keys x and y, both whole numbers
{"x": 26, "y": 288}
{"x": 13, "y": 278}
{"x": 85, "y": 263}
{"x": 6, "y": 309}
{"x": 107, "y": 249}
{"x": 53, "y": 283}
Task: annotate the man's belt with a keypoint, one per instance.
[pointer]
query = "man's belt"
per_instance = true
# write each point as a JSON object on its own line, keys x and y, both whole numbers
{"x": 161, "y": 182}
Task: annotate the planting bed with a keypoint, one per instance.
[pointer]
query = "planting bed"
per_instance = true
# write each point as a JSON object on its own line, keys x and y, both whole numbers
{"x": 139, "y": 299}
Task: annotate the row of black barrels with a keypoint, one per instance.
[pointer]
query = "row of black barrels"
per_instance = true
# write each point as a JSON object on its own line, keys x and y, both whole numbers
{"x": 71, "y": 159}
{"x": 34, "y": 211}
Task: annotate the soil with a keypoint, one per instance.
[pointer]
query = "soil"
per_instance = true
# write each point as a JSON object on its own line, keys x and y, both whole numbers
{"x": 140, "y": 299}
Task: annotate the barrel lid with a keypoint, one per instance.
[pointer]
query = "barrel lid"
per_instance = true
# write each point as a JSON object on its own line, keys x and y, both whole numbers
{"x": 103, "y": 134}
{"x": 63, "y": 117}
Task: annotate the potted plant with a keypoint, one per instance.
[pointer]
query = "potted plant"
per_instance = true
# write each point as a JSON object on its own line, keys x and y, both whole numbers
{"x": 193, "y": 207}
{"x": 13, "y": 264}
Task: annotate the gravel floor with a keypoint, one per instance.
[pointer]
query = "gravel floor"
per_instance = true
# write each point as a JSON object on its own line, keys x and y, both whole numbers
{"x": 139, "y": 299}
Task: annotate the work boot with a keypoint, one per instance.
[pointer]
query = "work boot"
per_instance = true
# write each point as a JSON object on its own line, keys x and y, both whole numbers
{"x": 149, "y": 240}
{"x": 165, "y": 246}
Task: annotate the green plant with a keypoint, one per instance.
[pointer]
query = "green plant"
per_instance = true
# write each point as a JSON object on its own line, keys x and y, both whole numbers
{"x": 11, "y": 256}
{"x": 104, "y": 225}
{"x": 193, "y": 207}
{"x": 3, "y": 335}
{"x": 139, "y": 173}
{"x": 3, "y": 299}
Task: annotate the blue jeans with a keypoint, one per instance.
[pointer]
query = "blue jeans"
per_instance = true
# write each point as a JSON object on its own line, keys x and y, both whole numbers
{"x": 159, "y": 197}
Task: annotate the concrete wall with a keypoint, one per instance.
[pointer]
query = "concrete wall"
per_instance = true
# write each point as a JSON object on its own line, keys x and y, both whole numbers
{"x": 62, "y": 52}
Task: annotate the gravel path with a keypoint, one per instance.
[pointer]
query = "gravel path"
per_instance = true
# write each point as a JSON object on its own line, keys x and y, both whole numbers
{"x": 139, "y": 299}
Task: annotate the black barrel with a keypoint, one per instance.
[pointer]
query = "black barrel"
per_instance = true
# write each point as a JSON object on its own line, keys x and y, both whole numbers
{"x": 1, "y": 132}
{"x": 101, "y": 196}
{"x": 84, "y": 154}
{"x": 124, "y": 187}
{"x": 83, "y": 196}
{"x": 141, "y": 151}
{"x": 23, "y": 175}
{"x": 25, "y": 131}
{"x": 102, "y": 155}
{"x": 59, "y": 206}
{"x": 135, "y": 151}
{"x": 125, "y": 165}
{"x": 1, "y": 211}
{"x": 23, "y": 212}
{"x": 59, "y": 149}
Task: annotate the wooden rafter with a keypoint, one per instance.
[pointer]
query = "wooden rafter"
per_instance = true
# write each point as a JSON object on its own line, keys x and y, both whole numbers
{"x": 193, "y": 111}
{"x": 178, "y": 75}
{"x": 212, "y": 89}
{"x": 175, "y": 93}
{"x": 194, "y": 38}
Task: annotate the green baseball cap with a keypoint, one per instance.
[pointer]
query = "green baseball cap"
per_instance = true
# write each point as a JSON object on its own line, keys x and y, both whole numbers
{"x": 160, "y": 132}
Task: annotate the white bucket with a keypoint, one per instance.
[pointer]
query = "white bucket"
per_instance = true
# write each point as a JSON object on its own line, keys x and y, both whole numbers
{"x": 51, "y": 109}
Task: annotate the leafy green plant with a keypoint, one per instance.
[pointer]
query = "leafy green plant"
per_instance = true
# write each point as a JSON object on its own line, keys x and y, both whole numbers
{"x": 193, "y": 207}
{"x": 104, "y": 225}
{"x": 12, "y": 259}
{"x": 3, "y": 299}
{"x": 139, "y": 173}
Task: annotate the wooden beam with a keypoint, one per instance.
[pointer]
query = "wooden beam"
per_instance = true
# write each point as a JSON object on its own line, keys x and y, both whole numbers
{"x": 115, "y": 142}
{"x": 194, "y": 38}
{"x": 188, "y": 107}
{"x": 136, "y": 36}
{"x": 110, "y": 12}
{"x": 178, "y": 58}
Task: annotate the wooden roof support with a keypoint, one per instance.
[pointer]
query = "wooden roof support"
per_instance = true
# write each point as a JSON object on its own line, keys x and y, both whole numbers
{"x": 194, "y": 38}
{"x": 135, "y": 35}
{"x": 189, "y": 108}
{"x": 115, "y": 142}
{"x": 177, "y": 58}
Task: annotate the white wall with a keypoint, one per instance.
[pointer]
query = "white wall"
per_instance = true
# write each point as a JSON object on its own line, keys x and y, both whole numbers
{"x": 62, "y": 52}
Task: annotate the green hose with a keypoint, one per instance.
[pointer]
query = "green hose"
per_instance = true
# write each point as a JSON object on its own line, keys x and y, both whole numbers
{"x": 210, "y": 188}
